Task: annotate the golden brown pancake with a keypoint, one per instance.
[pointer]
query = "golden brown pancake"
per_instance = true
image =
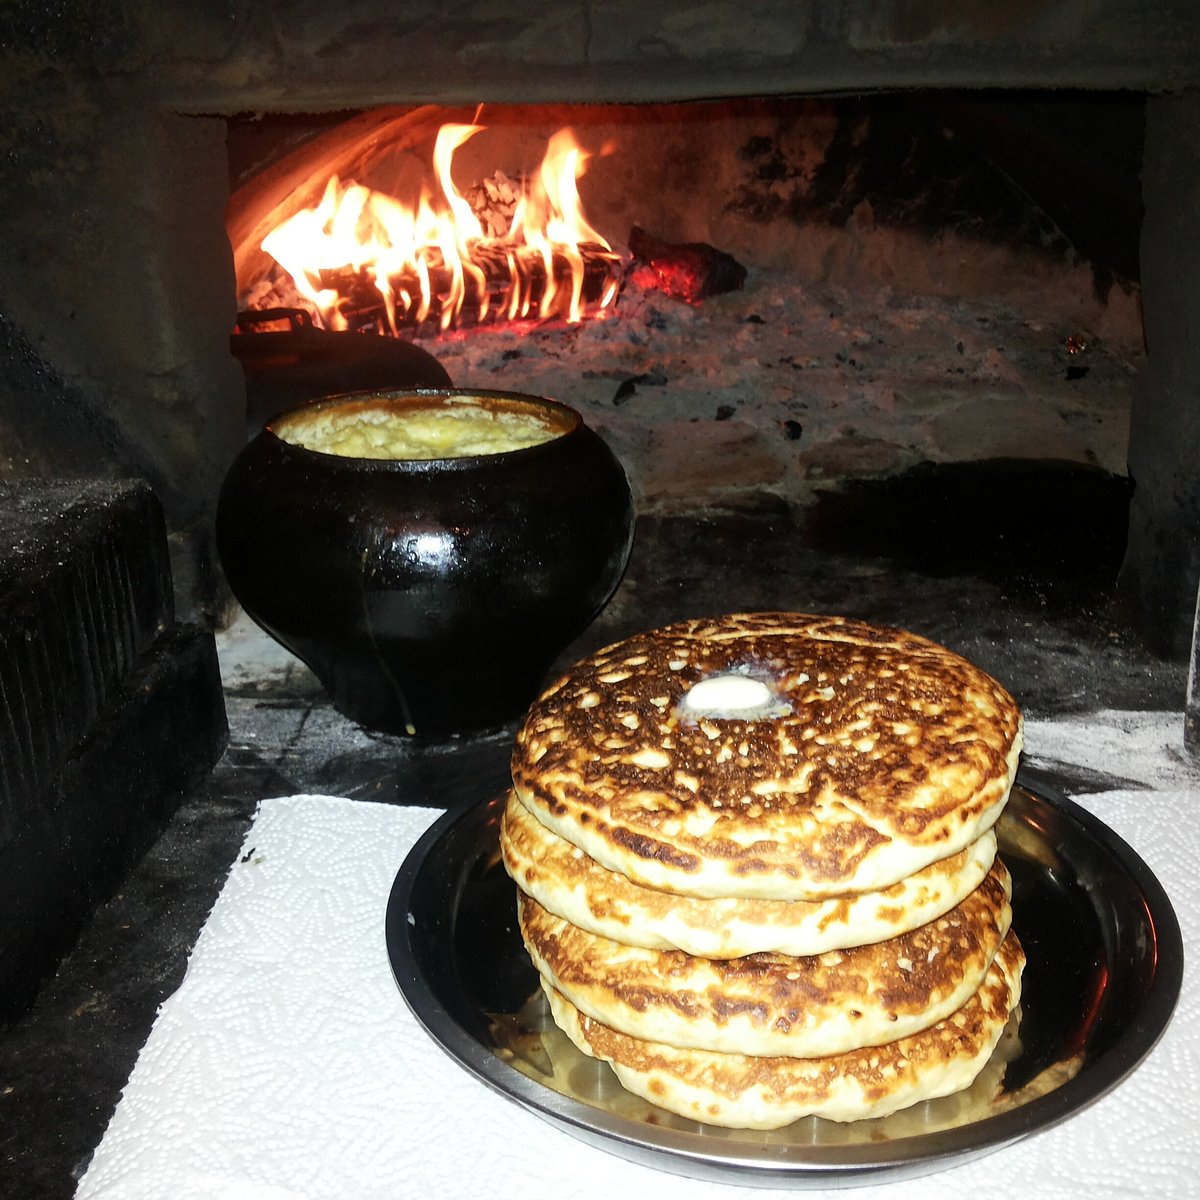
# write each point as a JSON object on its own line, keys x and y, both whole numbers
{"x": 775, "y": 1004}
{"x": 744, "y": 1091}
{"x": 572, "y": 885}
{"x": 876, "y": 753}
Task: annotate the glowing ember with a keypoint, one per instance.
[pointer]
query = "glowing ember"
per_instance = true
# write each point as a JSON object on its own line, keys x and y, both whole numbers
{"x": 359, "y": 249}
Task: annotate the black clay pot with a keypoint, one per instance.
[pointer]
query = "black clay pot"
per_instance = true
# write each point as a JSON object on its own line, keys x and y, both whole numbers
{"x": 294, "y": 366}
{"x": 430, "y": 596}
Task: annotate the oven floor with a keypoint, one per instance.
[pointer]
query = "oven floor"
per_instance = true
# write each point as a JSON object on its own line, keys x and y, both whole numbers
{"x": 1009, "y": 564}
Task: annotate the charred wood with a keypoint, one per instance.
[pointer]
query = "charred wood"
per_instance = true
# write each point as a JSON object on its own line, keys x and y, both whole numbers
{"x": 689, "y": 270}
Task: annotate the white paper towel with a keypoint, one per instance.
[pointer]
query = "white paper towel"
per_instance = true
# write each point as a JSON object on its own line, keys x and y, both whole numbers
{"x": 287, "y": 1064}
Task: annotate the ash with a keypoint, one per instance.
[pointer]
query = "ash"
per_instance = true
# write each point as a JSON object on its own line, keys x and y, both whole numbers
{"x": 785, "y": 389}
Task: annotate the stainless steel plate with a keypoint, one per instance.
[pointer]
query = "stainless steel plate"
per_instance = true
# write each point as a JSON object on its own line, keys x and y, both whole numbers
{"x": 1105, "y": 962}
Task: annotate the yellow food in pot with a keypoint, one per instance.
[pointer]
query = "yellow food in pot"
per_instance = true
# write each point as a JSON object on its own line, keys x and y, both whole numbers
{"x": 451, "y": 429}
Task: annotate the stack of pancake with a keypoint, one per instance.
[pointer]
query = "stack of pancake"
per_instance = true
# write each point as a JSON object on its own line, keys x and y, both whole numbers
{"x": 756, "y": 866}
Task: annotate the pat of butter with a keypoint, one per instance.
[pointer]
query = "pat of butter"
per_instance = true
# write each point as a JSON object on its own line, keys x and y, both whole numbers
{"x": 727, "y": 694}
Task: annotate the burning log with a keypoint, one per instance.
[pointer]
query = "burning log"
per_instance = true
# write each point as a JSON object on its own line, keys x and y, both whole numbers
{"x": 495, "y": 286}
{"x": 688, "y": 271}
{"x": 365, "y": 260}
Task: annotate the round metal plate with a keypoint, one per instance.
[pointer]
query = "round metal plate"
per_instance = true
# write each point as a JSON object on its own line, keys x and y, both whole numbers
{"x": 1105, "y": 963}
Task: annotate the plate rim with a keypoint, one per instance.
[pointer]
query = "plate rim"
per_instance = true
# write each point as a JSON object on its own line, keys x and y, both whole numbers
{"x": 672, "y": 1149}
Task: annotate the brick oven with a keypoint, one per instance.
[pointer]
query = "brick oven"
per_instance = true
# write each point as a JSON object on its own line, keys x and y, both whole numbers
{"x": 145, "y": 143}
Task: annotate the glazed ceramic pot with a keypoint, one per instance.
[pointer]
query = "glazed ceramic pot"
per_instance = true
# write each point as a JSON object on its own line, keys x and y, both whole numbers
{"x": 294, "y": 366}
{"x": 429, "y": 594}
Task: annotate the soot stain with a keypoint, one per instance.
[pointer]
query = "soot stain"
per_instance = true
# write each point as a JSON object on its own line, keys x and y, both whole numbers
{"x": 1056, "y": 524}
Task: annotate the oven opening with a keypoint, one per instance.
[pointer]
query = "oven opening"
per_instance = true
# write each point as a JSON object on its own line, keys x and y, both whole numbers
{"x": 909, "y": 322}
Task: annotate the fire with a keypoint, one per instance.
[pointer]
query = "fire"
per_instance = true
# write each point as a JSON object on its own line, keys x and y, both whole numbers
{"x": 359, "y": 249}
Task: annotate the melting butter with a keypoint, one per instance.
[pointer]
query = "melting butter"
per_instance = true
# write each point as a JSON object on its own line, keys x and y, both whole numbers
{"x": 727, "y": 694}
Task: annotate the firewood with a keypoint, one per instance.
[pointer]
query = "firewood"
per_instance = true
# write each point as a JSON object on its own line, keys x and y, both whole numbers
{"x": 362, "y": 306}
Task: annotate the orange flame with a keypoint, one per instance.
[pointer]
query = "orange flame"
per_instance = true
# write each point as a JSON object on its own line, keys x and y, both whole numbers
{"x": 434, "y": 259}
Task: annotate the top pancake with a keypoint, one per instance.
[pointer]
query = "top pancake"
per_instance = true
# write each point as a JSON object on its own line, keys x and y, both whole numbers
{"x": 877, "y": 753}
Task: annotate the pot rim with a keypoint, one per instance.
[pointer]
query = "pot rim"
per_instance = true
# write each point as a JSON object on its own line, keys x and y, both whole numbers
{"x": 572, "y": 417}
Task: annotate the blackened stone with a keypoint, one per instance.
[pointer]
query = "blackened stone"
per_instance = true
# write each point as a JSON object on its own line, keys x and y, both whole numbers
{"x": 1015, "y": 522}
{"x": 85, "y": 588}
{"x": 1162, "y": 563}
{"x": 160, "y": 735}
{"x": 109, "y": 711}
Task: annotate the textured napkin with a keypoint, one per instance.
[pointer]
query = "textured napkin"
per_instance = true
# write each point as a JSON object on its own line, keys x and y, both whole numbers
{"x": 287, "y": 1064}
